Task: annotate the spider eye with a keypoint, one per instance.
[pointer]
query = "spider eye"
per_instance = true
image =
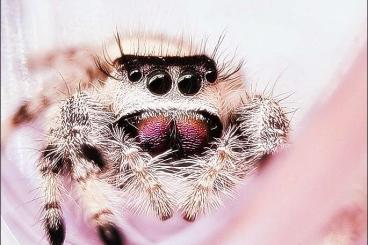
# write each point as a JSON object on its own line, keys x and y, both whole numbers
{"x": 211, "y": 75}
{"x": 159, "y": 83}
{"x": 134, "y": 75}
{"x": 190, "y": 83}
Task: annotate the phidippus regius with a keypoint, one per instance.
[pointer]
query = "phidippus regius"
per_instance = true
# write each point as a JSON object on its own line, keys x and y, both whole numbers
{"x": 155, "y": 122}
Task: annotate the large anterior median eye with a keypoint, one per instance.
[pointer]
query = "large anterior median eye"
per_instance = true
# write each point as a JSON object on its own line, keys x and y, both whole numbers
{"x": 159, "y": 82}
{"x": 189, "y": 83}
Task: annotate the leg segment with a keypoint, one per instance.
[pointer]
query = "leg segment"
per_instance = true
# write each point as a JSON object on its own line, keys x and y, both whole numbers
{"x": 76, "y": 147}
{"x": 52, "y": 213}
{"x": 259, "y": 128}
{"x": 211, "y": 176}
{"x": 263, "y": 126}
{"x": 94, "y": 196}
{"x": 64, "y": 70}
{"x": 141, "y": 176}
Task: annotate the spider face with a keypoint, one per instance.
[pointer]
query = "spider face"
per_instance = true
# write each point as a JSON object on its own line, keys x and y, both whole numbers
{"x": 167, "y": 103}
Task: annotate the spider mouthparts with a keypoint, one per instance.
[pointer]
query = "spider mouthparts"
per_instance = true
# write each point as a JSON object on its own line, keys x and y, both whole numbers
{"x": 183, "y": 132}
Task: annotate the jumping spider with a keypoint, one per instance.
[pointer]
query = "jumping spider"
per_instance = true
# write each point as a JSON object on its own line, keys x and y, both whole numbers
{"x": 166, "y": 126}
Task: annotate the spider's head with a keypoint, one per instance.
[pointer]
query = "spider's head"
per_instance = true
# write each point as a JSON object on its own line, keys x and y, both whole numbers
{"x": 172, "y": 102}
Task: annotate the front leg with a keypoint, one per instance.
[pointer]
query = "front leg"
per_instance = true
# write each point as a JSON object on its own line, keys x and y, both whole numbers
{"x": 263, "y": 126}
{"x": 259, "y": 128}
{"x": 75, "y": 147}
{"x": 141, "y": 176}
{"x": 63, "y": 70}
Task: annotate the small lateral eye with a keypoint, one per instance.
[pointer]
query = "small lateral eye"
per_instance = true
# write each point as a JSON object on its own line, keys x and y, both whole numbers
{"x": 211, "y": 75}
{"x": 134, "y": 75}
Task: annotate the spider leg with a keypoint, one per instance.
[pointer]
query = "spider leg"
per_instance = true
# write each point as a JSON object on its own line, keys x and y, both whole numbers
{"x": 52, "y": 213}
{"x": 210, "y": 176}
{"x": 141, "y": 176}
{"x": 64, "y": 70}
{"x": 259, "y": 128}
{"x": 75, "y": 147}
{"x": 94, "y": 195}
{"x": 263, "y": 126}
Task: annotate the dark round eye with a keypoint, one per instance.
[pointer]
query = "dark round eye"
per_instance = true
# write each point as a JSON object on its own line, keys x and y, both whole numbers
{"x": 211, "y": 75}
{"x": 159, "y": 83}
{"x": 189, "y": 83}
{"x": 134, "y": 75}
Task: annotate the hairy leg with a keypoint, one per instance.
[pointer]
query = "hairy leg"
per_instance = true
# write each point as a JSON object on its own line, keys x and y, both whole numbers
{"x": 75, "y": 146}
{"x": 141, "y": 176}
{"x": 95, "y": 196}
{"x": 263, "y": 126}
{"x": 52, "y": 190}
{"x": 64, "y": 70}
{"x": 259, "y": 128}
{"x": 210, "y": 176}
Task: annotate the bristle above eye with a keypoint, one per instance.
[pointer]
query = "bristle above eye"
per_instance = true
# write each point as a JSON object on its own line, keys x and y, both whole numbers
{"x": 148, "y": 49}
{"x": 104, "y": 67}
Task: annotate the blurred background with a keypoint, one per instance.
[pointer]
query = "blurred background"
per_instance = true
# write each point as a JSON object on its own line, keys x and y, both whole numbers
{"x": 300, "y": 44}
